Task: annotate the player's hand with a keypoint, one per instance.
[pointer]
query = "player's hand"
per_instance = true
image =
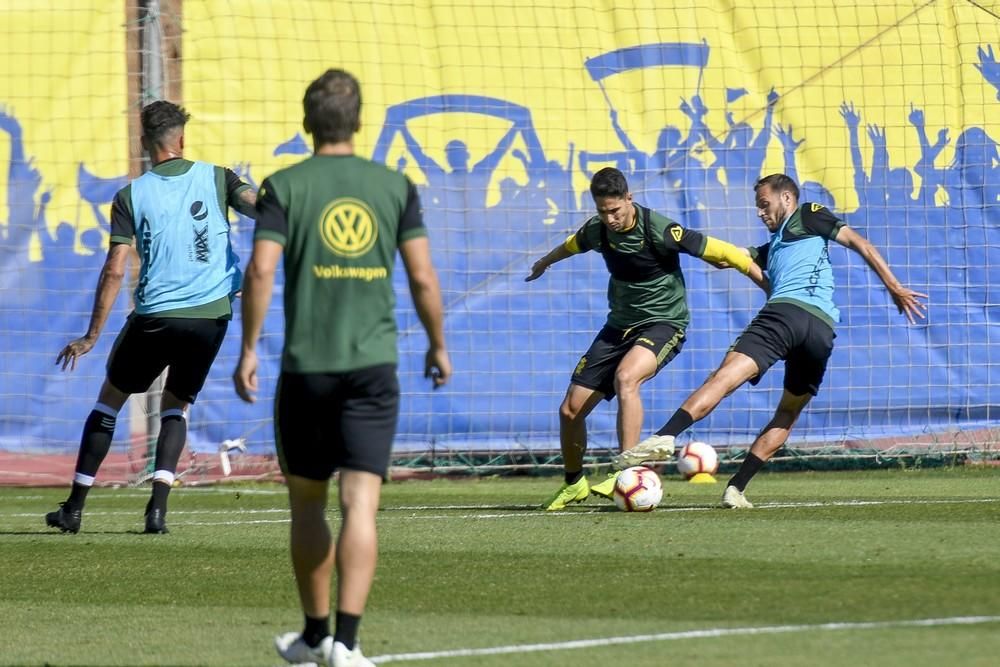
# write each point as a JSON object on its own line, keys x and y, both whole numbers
{"x": 245, "y": 377}
{"x": 437, "y": 366}
{"x": 537, "y": 269}
{"x": 74, "y": 350}
{"x": 907, "y": 302}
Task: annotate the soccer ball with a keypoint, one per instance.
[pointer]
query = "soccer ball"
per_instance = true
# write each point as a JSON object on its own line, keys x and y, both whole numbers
{"x": 697, "y": 457}
{"x": 638, "y": 489}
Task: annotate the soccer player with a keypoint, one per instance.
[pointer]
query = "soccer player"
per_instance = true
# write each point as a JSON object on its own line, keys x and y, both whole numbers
{"x": 337, "y": 219}
{"x": 796, "y": 324}
{"x": 188, "y": 276}
{"x": 645, "y": 328}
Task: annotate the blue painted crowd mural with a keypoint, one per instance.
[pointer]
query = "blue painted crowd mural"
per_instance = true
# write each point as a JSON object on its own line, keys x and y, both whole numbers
{"x": 514, "y": 345}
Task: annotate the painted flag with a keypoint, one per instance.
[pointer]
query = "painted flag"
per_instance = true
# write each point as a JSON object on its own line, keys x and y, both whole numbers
{"x": 733, "y": 94}
{"x": 646, "y": 55}
{"x": 294, "y": 146}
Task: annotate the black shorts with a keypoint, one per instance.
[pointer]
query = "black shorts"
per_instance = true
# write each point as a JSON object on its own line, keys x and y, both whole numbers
{"x": 786, "y": 331}
{"x": 326, "y": 421}
{"x": 596, "y": 368}
{"x": 147, "y": 344}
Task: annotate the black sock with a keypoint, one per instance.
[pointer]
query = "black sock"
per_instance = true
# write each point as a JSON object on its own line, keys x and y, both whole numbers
{"x": 573, "y": 477}
{"x": 94, "y": 445}
{"x": 347, "y": 629}
{"x": 77, "y": 496}
{"x": 679, "y": 423}
{"x": 170, "y": 442}
{"x": 317, "y": 629}
{"x": 751, "y": 464}
{"x": 169, "y": 445}
{"x": 159, "y": 500}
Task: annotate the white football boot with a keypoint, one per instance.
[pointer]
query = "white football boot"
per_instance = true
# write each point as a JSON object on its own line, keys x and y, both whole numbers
{"x": 294, "y": 649}
{"x": 343, "y": 657}
{"x": 733, "y": 498}
{"x": 653, "y": 448}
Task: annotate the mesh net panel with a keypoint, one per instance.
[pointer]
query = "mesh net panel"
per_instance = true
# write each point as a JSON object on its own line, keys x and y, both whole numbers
{"x": 500, "y": 113}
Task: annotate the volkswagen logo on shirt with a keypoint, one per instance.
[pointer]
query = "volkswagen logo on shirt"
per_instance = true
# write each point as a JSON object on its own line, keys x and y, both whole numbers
{"x": 348, "y": 227}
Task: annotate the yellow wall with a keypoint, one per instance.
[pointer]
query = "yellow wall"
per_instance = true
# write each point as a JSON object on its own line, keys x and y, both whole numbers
{"x": 246, "y": 65}
{"x": 62, "y": 75}
{"x": 815, "y": 53}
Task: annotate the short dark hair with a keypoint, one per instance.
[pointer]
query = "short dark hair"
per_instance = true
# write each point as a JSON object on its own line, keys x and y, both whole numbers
{"x": 608, "y": 182}
{"x": 778, "y": 183}
{"x": 332, "y": 106}
{"x": 160, "y": 118}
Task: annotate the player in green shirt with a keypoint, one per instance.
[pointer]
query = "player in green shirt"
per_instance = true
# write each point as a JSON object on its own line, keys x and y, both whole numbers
{"x": 646, "y": 325}
{"x": 337, "y": 220}
{"x": 795, "y": 325}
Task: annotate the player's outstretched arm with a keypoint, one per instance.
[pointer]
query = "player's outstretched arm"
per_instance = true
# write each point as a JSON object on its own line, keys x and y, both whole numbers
{"x": 108, "y": 285}
{"x": 426, "y": 293}
{"x": 720, "y": 254}
{"x": 724, "y": 255}
{"x": 562, "y": 251}
{"x": 906, "y": 300}
{"x": 759, "y": 278}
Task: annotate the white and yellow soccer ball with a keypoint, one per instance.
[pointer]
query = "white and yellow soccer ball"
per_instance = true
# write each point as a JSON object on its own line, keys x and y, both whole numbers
{"x": 638, "y": 489}
{"x": 695, "y": 458}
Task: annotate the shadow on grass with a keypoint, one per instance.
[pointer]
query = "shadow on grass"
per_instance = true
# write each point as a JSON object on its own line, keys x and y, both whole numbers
{"x": 79, "y": 535}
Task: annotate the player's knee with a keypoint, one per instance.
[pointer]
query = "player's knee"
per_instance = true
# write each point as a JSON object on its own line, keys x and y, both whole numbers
{"x": 306, "y": 493}
{"x": 359, "y": 507}
{"x": 627, "y": 381}
{"x": 570, "y": 412}
{"x": 359, "y": 491}
{"x": 785, "y": 418}
{"x": 170, "y": 401}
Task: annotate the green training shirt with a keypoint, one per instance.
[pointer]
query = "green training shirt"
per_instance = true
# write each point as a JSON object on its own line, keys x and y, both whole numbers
{"x": 340, "y": 220}
{"x": 646, "y": 283}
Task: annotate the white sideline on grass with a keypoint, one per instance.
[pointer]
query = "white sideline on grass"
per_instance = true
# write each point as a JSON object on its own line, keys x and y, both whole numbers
{"x": 386, "y": 513}
{"x": 685, "y": 634}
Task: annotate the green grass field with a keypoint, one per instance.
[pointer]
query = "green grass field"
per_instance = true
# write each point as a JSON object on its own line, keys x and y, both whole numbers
{"x": 828, "y": 569}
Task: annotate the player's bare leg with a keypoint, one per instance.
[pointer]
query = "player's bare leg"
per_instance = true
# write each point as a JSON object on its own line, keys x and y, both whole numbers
{"x": 637, "y": 366}
{"x": 577, "y": 404}
{"x": 357, "y": 548}
{"x": 775, "y": 434}
{"x": 767, "y": 442}
{"x": 314, "y": 554}
{"x": 312, "y": 551}
{"x": 112, "y": 396}
{"x": 312, "y": 544}
{"x": 735, "y": 369}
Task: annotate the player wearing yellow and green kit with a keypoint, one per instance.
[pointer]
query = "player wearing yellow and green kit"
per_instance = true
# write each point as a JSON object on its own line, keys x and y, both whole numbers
{"x": 646, "y": 325}
{"x": 795, "y": 325}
